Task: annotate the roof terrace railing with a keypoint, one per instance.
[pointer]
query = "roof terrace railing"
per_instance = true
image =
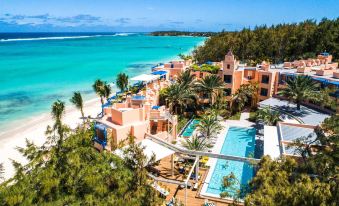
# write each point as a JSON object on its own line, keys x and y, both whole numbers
{"x": 200, "y": 153}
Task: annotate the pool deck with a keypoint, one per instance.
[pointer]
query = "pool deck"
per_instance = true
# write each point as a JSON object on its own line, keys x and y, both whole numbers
{"x": 193, "y": 197}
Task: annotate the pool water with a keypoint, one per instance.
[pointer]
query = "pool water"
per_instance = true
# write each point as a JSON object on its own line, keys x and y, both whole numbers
{"x": 190, "y": 128}
{"x": 239, "y": 141}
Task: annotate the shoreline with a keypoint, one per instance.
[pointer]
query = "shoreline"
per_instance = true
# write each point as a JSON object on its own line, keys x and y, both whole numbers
{"x": 33, "y": 127}
{"x": 34, "y": 130}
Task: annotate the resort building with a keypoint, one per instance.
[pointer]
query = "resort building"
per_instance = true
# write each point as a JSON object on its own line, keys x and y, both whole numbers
{"x": 235, "y": 74}
{"x": 194, "y": 177}
{"x": 272, "y": 78}
{"x": 137, "y": 115}
{"x": 173, "y": 68}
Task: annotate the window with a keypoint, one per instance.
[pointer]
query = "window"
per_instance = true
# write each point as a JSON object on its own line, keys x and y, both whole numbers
{"x": 228, "y": 78}
{"x": 265, "y": 79}
{"x": 228, "y": 66}
{"x": 263, "y": 92}
{"x": 201, "y": 75}
{"x": 227, "y": 92}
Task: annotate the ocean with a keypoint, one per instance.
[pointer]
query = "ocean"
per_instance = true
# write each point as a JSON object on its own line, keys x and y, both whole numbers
{"x": 36, "y": 69}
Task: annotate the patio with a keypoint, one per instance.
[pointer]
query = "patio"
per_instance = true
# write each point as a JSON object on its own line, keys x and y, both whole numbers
{"x": 178, "y": 192}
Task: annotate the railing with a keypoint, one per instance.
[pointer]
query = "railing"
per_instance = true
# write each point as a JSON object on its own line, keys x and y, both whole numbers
{"x": 199, "y": 153}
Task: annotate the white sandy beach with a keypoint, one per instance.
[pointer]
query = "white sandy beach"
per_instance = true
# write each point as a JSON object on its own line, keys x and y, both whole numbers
{"x": 34, "y": 129}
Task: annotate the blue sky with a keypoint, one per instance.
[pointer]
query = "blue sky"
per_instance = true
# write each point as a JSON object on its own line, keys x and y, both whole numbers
{"x": 150, "y": 15}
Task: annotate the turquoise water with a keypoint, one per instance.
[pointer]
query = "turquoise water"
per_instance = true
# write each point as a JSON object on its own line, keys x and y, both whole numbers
{"x": 33, "y": 74}
{"x": 190, "y": 128}
{"x": 239, "y": 142}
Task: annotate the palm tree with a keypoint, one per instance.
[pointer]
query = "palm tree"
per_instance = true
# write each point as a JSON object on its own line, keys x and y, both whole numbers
{"x": 186, "y": 79}
{"x": 58, "y": 111}
{"x": 268, "y": 116}
{"x": 298, "y": 89}
{"x": 78, "y": 103}
{"x": 178, "y": 97}
{"x": 209, "y": 125}
{"x": 196, "y": 143}
{"x": 98, "y": 87}
{"x": 122, "y": 81}
{"x": 107, "y": 90}
{"x": 210, "y": 85}
{"x": 242, "y": 96}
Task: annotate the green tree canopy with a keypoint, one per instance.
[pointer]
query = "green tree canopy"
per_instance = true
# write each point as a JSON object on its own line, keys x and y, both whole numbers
{"x": 282, "y": 42}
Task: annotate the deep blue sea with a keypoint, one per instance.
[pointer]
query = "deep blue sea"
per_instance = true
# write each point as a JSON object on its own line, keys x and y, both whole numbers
{"x": 38, "y": 68}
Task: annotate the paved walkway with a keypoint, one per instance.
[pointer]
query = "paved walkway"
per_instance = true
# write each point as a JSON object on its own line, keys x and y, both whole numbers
{"x": 244, "y": 116}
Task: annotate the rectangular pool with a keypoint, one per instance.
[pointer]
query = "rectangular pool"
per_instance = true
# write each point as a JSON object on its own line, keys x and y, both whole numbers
{"x": 190, "y": 128}
{"x": 239, "y": 141}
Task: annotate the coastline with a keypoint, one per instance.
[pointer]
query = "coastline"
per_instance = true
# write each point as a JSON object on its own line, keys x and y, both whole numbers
{"x": 33, "y": 127}
{"x": 34, "y": 130}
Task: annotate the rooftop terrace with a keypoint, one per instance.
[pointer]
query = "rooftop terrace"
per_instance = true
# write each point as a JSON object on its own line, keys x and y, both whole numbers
{"x": 305, "y": 115}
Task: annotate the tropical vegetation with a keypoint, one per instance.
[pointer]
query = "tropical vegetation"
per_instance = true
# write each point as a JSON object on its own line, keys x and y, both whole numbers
{"x": 311, "y": 182}
{"x": 246, "y": 94}
{"x": 78, "y": 103}
{"x": 182, "y": 33}
{"x": 196, "y": 143}
{"x": 98, "y": 88}
{"x": 298, "y": 89}
{"x": 209, "y": 125}
{"x": 69, "y": 171}
{"x": 185, "y": 57}
{"x": 268, "y": 116}
{"x": 211, "y": 85}
{"x": 206, "y": 68}
{"x": 178, "y": 98}
{"x": 122, "y": 81}
{"x": 277, "y": 43}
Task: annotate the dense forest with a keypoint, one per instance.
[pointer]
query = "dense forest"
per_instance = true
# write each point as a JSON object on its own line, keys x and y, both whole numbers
{"x": 278, "y": 43}
{"x": 182, "y": 33}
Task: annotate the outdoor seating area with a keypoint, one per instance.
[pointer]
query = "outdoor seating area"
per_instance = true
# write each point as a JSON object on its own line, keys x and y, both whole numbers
{"x": 177, "y": 192}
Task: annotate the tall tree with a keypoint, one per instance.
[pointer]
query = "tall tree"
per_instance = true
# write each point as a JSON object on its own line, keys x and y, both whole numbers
{"x": 186, "y": 79}
{"x": 107, "y": 90}
{"x": 78, "y": 103}
{"x": 210, "y": 85}
{"x": 281, "y": 42}
{"x": 58, "y": 111}
{"x": 84, "y": 177}
{"x": 178, "y": 98}
{"x": 243, "y": 95}
{"x": 298, "y": 89}
{"x": 98, "y": 87}
{"x": 122, "y": 81}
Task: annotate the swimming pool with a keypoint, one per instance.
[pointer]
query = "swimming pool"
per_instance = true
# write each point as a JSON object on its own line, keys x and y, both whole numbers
{"x": 239, "y": 141}
{"x": 190, "y": 128}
